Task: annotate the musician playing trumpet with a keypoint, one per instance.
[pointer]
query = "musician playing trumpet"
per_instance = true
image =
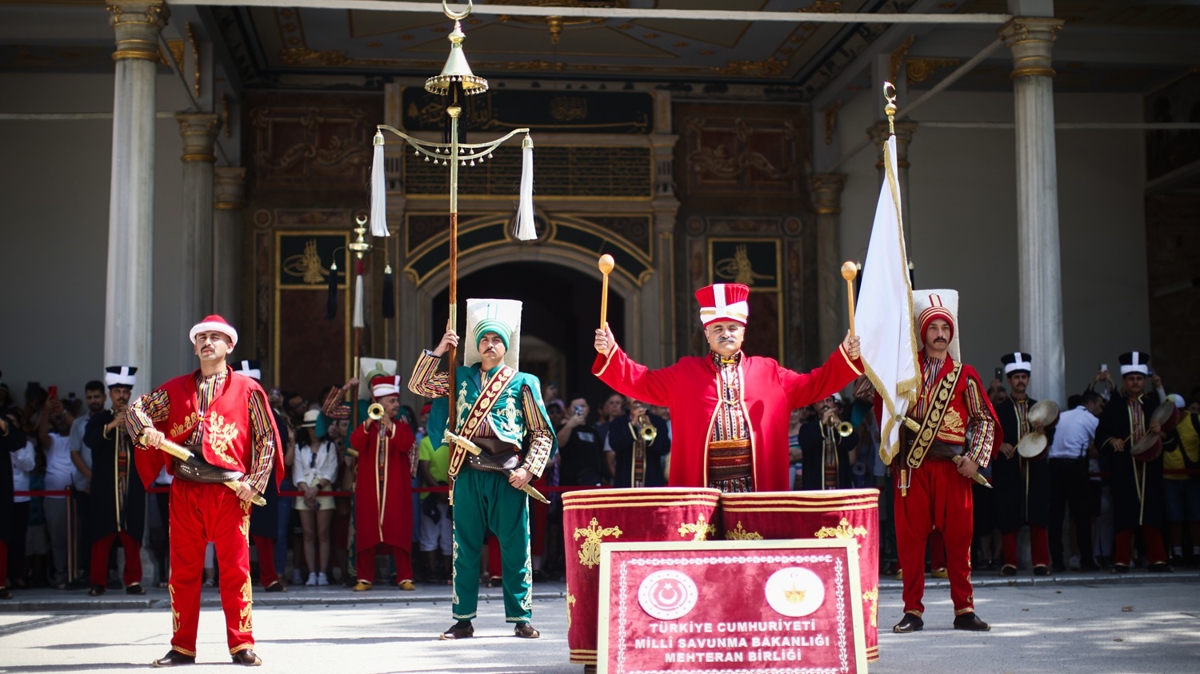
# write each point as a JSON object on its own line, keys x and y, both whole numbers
{"x": 636, "y": 444}
{"x": 830, "y": 447}
{"x": 387, "y": 459}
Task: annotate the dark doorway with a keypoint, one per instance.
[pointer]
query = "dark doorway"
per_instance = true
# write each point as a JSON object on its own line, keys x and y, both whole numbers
{"x": 560, "y": 308}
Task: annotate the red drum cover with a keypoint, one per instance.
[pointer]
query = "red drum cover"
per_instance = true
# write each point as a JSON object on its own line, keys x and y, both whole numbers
{"x": 836, "y": 513}
{"x": 594, "y": 516}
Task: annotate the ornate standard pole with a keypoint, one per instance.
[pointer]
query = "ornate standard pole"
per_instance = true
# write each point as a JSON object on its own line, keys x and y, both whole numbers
{"x": 455, "y": 81}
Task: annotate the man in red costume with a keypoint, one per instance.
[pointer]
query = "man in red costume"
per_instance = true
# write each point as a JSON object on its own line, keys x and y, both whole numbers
{"x": 387, "y": 459}
{"x": 729, "y": 411}
{"x": 226, "y": 421}
{"x": 936, "y": 464}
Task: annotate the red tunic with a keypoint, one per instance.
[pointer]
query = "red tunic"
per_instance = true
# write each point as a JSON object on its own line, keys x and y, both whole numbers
{"x": 689, "y": 389}
{"x": 385, "y": 487}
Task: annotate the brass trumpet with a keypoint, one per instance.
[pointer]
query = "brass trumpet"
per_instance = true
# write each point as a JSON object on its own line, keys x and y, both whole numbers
{"x": 844, "y": 428}
{"x": 649, "y": 432}
{"x": 375, "y": 412}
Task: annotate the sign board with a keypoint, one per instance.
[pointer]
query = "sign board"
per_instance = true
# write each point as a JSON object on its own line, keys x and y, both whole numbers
{"x": 731, "y": 606}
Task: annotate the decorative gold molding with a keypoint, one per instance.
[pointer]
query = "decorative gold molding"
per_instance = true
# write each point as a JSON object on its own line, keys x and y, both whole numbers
{"x": 831, "y": 115}
{"x": 1031, "y": 40}
{"x": 827, "y": 192}
{"x": 823, "y": 7}
{"x": 225, "y": 116}
{"x": 918, "y": 69}
{"x": 768, "y": 67}
{"x": 176, "y": 49}
{"x": 898, "y": 57}
{"x": 191, "y": 37}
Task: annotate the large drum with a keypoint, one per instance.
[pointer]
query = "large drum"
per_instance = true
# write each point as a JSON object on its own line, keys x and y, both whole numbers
{"x": 596, "y": 516}
{"x": 837, "y": 513}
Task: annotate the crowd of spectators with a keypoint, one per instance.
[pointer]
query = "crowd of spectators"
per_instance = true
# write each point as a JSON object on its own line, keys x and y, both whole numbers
{"x": 608, "y": 442}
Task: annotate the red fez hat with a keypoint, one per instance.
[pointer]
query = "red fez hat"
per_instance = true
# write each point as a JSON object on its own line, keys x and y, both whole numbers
{"x": 724, "y": 302}
{"x": 384, "y": 386}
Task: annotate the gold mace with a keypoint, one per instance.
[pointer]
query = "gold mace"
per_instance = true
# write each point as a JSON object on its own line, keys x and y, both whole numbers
{"x": 606, "y": 265}
{"x": 849, "y": 271}
{"x": 183, "y": 454}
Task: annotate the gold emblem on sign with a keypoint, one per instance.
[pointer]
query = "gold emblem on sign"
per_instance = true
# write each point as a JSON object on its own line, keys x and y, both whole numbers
{"x": 738, "y": 268}
{"x": 307, "y": 265}
{"x": 700, "y": 531}
{"x": 593, "y": 534}
{"x": 793, "y": 595}
{"x": 246, "y": 624}
{"x": 570, "y": 605}
{"x": 872, "y": 596}
{"x": 220, "y": 436}
{"x": 740, "y": 534}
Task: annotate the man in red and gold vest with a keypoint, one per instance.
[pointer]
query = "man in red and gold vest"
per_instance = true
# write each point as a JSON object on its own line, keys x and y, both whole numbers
{"x": 729, "y": 410}
{"x": 387, "y": 459}
{"x": 227, "y": 422}
{"x": 933, "y": 473}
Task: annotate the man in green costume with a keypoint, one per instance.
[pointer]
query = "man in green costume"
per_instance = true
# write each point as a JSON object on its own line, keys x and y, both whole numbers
{"x": 500, "y": 410}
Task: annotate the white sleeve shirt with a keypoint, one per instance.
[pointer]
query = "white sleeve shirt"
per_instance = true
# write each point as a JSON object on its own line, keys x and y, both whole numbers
{"x": 310, "y": 467}
{"x": 1074, "y": 434}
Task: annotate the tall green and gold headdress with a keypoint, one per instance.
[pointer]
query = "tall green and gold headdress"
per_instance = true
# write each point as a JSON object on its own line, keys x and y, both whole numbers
{"x": 502, "y": 317}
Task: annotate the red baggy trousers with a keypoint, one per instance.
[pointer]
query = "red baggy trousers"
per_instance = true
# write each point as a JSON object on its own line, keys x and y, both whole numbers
{"x": 203, "y": 513}
{"x": 133, "y": 559}
{"x": 938, "y": 498}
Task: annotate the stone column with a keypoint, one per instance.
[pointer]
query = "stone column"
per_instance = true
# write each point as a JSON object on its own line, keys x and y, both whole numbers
{"x": 199, "y": 131}
{"x": 230, "y": 188}
{"x": 1039, "y": 264}
{"x": 129, "y": 280}
{"x": 827, "y": 200}
{"x": 904, "y": 133}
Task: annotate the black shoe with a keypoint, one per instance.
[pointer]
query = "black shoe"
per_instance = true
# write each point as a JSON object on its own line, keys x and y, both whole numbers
{"x": 97, "y": 590}
{"x": 114, "y": 584}
{"x": 462, "y": 629}
{"x": 1120, "y": 568}
{"x": 246, "y": 658}
{"x": 539, "y": 576}
{"x": 1041, "y": 570}
{"x": 174, "y": 657}
{"x": 1160, "y": 567}
{"x": 275, "y": 587}
{"x": 1008, "y": 570}
{"x": 526, "y": 631}
{"x": 971, "y": 623}
{"x": 909, "y": 623}
{"x": 135, "y": 588}
{"x": 495, "y": 581}
{"x": 4, "y": 593}
{"x": 1059, "y": 567}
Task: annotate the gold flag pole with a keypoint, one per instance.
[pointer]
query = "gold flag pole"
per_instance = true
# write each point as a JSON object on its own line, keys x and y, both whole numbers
{"x": 849, "y": 272}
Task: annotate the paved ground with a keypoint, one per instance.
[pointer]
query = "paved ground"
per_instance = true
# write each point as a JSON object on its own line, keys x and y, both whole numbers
{"x": 1086, "y": 623}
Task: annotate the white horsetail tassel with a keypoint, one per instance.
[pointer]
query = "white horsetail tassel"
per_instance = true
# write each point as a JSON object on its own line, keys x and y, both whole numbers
{"x": 358, "y": 321}
{"x": 378, "y": 190}
{"x": 525, "y": 229}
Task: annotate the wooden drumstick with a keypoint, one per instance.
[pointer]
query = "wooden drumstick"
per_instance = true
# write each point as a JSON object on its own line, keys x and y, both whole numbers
{"x": 606, "y": 265}
{"x": 849, "y": 271}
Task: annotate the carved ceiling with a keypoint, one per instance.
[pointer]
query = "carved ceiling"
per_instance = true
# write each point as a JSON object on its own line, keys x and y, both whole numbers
{"x": 1107, "y": 45}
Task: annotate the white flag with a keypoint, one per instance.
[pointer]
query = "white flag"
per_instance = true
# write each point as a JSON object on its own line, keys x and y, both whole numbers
{"x": 885, "y": 314}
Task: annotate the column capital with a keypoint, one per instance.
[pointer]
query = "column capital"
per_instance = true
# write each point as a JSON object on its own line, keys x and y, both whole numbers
{"x": 199, "y": 131}
{"x": 1031, "y": 40}
{"x": 136, "y": 24}
{"x": 878, "y": 132}
{"x": 827, "y": 192}
{"x": 229, "y": 183}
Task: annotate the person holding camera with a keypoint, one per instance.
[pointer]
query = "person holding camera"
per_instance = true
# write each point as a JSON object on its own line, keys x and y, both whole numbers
{"x": 582, "y": 460}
